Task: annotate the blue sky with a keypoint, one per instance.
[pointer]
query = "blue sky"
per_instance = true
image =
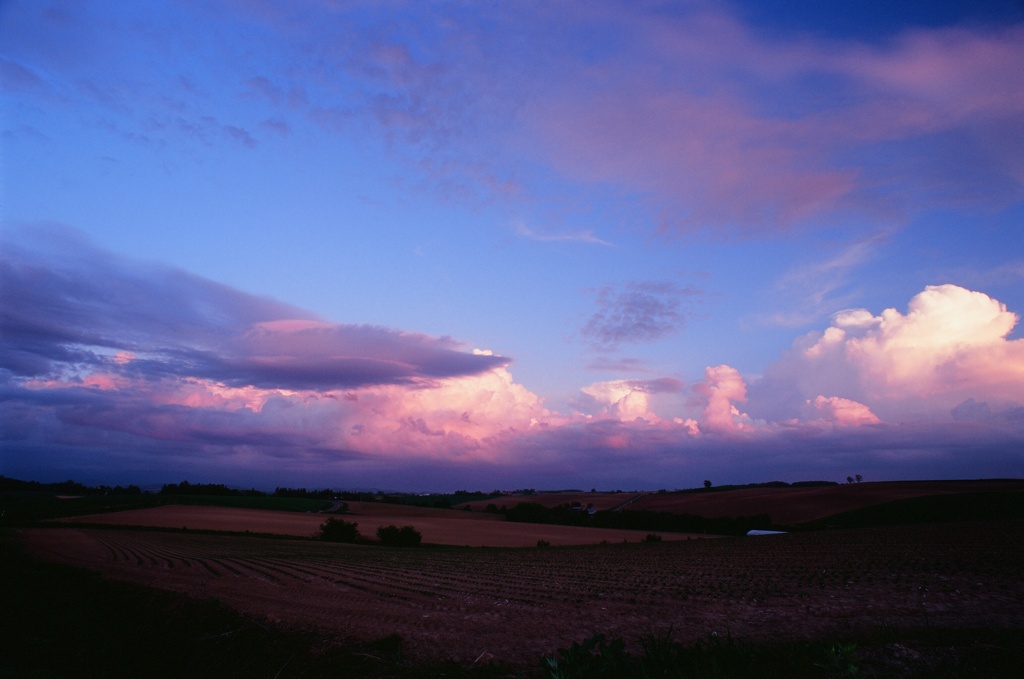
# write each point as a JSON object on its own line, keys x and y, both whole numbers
{"x": 591, "y": 244}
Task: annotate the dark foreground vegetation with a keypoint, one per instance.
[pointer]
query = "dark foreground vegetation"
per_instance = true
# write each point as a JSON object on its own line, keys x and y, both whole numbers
{"x": 26, "y": 502}
{"x": 629, "y": 519}
{"x": 338, "y": 530}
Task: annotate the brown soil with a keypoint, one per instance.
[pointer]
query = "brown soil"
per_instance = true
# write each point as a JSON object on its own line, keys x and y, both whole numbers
{"x": 517, "y": 604}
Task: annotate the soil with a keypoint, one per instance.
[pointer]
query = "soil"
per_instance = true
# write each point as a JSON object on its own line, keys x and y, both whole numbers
{"x": 517, "y": 604}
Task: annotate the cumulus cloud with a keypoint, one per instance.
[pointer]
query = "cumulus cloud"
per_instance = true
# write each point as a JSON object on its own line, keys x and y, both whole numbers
{"x": 723, "y": 388}
{"x": 844, "y": 412}
{"x": 951, "y": 346}
{"x": 630, "y": 399}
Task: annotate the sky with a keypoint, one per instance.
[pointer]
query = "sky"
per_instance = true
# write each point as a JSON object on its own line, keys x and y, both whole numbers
{"x": 431, "y": 246}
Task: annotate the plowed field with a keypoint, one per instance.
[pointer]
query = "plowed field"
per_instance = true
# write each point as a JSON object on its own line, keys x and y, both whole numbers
{"x": 517, "y": 604}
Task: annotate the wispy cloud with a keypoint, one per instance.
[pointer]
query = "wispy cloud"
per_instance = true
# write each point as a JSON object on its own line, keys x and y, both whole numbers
{"x": 624, "y": 365}
{"x": 809, "y": 292}
{"x": 563, "y": 236}
{"x": 706, "y": 121}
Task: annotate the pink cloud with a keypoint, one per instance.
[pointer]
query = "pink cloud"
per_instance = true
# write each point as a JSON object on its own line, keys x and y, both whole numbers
{"x": 715, "y": 121}
{"x": 208, "y": 377}
{"x": 629, "y": 399}
{"x": 467, "y": 419}
{"x": 620, "y": 400}
{"x": 844, "y": 412}
{"x": 951, "y": 345}
{"x": 954, "y": 74}
{"x": 723, "y": 387}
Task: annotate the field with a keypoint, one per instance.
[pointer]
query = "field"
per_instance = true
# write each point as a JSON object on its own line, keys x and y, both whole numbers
{"x": 438, "y": 526}
{"x": 515, "y": 605}
{"x": 933, "y": 599}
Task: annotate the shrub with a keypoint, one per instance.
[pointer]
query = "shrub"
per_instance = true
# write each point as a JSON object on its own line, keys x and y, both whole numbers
{"x": 406, "y": 536}
{"x": 336, "y": 530}
{"x": 543, "y": 543}
{"x": 652, "y": 537}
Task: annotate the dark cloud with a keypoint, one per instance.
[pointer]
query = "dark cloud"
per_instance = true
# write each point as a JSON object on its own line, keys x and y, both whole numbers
{"x": 642, "y": 312}
{"x": 661, "y": 385}
{"x": 17, "y": 77}
{"x": 68, "y": 308}
{"x": 618, "y": 365}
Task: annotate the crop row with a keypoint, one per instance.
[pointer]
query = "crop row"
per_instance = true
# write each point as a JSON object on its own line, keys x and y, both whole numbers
{"x": 841, "y": 564}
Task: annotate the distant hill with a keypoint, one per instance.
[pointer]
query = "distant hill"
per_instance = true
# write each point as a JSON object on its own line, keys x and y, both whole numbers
{"x": 809, "y": 506}
{"x": 798, "y": 506}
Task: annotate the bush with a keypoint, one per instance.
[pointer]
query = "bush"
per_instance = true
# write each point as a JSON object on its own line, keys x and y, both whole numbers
{"x": 336, "y": 530}
{"x": 406, "y": 536}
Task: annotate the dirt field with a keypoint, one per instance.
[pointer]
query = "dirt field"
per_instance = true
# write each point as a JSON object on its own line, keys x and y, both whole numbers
{"x": 517, "y": 604}
{"x": 438, "y": 526}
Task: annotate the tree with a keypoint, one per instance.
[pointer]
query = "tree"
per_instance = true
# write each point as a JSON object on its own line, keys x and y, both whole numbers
{"x": 336, "y": 530}
{"x": 707, "y": 484}
{"x": 406, "y": 536}
{"x": 859, "y": 478}
{"x": 849, "y": 479}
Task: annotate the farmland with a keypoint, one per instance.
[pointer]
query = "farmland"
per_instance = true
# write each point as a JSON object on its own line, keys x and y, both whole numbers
{"x": 441, "y": 527}
{"x": 516, "y": 605}
{"x": 917, "y": 598}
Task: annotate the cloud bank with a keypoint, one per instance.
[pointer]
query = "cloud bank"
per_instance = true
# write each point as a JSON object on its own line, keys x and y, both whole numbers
{"x": 70, "y": 310}
{"x": 116, "y": 367}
